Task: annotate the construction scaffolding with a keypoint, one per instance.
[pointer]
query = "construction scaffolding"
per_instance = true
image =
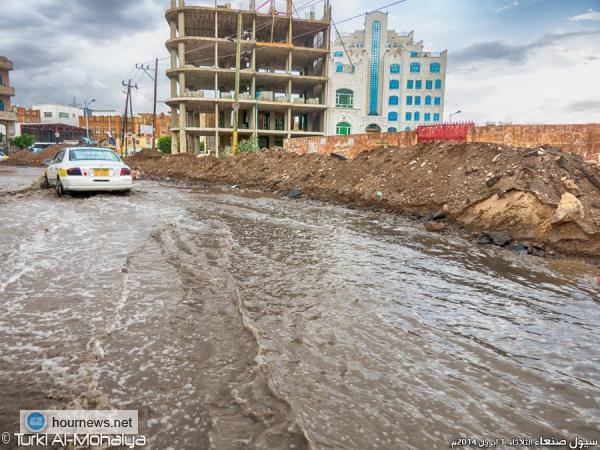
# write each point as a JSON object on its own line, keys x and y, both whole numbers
{"x": 246, "y": 72}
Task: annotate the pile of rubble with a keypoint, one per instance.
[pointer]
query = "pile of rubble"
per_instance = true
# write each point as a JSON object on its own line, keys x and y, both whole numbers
{"x": 542, "y": 199}
{"x": 27, "y": 158}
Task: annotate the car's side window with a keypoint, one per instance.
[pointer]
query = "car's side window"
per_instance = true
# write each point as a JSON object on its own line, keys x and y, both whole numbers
{"x": 58, "y": 158}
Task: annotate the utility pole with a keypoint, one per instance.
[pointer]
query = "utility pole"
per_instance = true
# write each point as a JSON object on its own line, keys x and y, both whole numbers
{"x": 128, "y": 102}
{"x": 155, "y": 79}
{"x": 132, "y": 121}
{"x": 124, "y": 124}
{"x": 238, "y": 51}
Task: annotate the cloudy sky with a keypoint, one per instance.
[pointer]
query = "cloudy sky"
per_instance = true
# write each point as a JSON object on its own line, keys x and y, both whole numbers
{"x": 526, "y": 61}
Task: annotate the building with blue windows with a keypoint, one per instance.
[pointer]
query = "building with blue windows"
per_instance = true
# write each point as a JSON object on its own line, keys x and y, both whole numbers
{"x": 383, "y": 80}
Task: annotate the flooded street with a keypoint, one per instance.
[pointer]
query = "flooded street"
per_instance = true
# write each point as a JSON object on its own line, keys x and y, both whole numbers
{"x": 234, "y": 320}
{"x": 17, "y": 178}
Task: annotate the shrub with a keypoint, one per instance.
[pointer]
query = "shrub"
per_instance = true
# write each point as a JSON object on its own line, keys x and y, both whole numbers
{"x": 23, "y": 141}
{"x": 248, "y": 145}
{"x": 164, "y": 144}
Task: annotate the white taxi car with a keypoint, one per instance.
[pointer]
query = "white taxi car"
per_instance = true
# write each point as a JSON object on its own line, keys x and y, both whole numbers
{"x": 88, "y": 169}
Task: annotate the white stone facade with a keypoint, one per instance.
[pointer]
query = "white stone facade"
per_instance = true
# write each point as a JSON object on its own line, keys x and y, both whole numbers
{"x": 402, "y": 72}
{"x": 52, "y": 113}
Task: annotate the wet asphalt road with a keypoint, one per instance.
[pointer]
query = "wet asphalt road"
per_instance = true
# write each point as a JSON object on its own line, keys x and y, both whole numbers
{"x": 236, "y": 320}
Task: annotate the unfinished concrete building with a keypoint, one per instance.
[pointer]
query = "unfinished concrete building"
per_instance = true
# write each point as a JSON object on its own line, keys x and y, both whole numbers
{"x": 7, "y": 117}
{"x": 283, "y": 73}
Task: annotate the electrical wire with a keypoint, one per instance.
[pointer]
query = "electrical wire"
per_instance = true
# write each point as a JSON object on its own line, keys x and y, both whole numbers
{"x": 309, "y": 3}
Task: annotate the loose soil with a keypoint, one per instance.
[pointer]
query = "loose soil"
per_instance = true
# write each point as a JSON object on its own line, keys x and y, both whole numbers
{"x": 27, "y": 158}
{"x": 479, "y": 186}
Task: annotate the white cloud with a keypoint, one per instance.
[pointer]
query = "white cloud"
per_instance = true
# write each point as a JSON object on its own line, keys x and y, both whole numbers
{"x": 590, "y": 15}
{"x": 549, "y": 83}
{"x": 511, "y": 5}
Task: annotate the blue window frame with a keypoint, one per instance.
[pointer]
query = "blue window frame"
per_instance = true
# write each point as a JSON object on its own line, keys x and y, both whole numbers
{"x": 419, "y": 84}
{"x": 410, "y": 84}
{"x": 395, "y": 68}
{"x": 427, "y": 117}
{"x": 437, "y": 101}
{"x": 392, "y": 129}
{"x": 415, "y": 67}
{"x": 407, "y": 129}
{"x": 409, "y": 100}
{"x": 414, "y": 54}
{"x": 1, "y": 82}
{"x": 375, "y": 49}
{"x": 417, "y": 116}
{"x": 1, "y": 105}
{"x": 394, "y": 84}
{"x": 408, "y": 116}
{"x": 393, "y": 116}
{"x": 393, "y": 99}
{"x": 417, "y": 100}
{"x": 338, "y": 54}
{"x": 438, "y": 84}
{"x": 339, "y": 67}
{"x": 428, "y": 99}
{"x": 434, "y": 67}
{"x": 428, "y": 84}
{"x": 436, "y": 117}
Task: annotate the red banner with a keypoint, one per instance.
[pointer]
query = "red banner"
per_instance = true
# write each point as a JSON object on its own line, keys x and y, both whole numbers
{"x": 454, "y": 132}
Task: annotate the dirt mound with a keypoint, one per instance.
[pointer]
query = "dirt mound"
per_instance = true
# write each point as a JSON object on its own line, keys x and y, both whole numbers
{"x": 480, "y": 186}
{"x": 146, "y": 154}
{"x": 27, "y": 158}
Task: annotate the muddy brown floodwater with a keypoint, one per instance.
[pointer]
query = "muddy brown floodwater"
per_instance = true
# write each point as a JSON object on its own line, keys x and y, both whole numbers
{"x": 236, "y": 320}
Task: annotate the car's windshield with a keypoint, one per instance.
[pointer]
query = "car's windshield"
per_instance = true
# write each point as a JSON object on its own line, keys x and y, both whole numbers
{"x": 91, "y": 154}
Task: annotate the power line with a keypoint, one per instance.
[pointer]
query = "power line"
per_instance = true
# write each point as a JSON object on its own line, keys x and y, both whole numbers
{"x": 305, "y": 5}
{"x": 371, "y": 11}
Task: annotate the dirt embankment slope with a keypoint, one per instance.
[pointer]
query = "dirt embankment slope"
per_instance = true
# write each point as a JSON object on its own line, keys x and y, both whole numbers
{"x": 27, "y": 158}
{"x": 543, "y": 196}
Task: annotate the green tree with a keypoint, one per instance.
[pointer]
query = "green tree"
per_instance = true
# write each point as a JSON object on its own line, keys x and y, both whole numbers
{"x": 23, "y": 141}
{"x": 248, "y": 145}
{"x": 164, "y": 144}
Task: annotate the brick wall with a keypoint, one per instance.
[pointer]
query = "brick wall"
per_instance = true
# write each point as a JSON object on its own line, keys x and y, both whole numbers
{"x": 581, "y": 139}
{"x": 350, "y": 145}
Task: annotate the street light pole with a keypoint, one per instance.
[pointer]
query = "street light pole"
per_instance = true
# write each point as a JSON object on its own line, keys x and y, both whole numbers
{"x": 86, "y": 106}
{"x": 453, "y": 114}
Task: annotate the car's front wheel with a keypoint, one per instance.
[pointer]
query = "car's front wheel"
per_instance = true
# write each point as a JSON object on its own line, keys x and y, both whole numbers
{"x": 46, "y": 181}
{"x": 60, "y": 191}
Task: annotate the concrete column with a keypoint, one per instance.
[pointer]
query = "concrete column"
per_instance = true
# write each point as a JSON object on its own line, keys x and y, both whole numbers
{"x": 182, "y": 128}
{"x": 174, "y": 143}
{"x": 173, "y": 3}
{"x": 289, "y": 122}
{"x": 217, "y": 130}
{"x": 173, "y": 115}
{"x": 173, "y": 28}
{"x": 181, "y": 24}
{"x": 182, "y": 84}
{"x": 181, "y": 54}
{"x": 173, "y": 66}
{"x": 216, "y": 36}
{"x": 181, "y": 3}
